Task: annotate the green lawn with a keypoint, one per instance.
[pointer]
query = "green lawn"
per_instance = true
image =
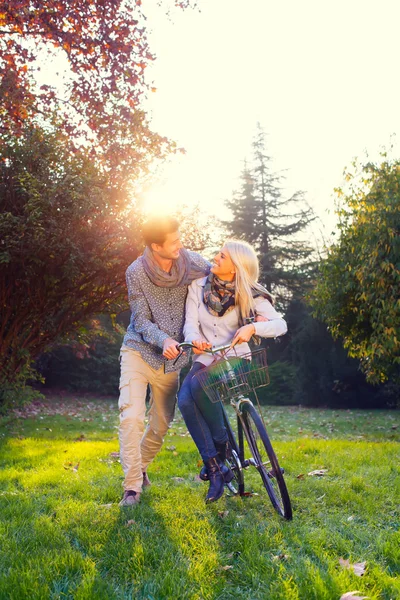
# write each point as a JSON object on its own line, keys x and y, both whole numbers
{"x": 63, "y": 535}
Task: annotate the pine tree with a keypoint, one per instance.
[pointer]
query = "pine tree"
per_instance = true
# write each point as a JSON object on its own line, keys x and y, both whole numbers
{"x": 244, "y": 208}
{"x": 272, "y": 224}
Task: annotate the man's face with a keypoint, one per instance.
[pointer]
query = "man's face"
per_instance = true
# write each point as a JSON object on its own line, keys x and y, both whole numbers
{"x": 170, "y": 248}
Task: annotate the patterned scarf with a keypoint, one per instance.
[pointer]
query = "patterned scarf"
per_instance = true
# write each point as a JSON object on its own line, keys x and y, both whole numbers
{"x": 219, "y": 295}
{"x": 183, "y": 271}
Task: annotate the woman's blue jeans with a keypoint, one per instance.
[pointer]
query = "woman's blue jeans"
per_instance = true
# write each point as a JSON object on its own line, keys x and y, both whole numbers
{"x": 203, "y": 418}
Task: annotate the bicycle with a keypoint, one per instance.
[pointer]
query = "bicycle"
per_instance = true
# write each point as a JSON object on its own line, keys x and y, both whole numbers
{"x": 233, "y": 379}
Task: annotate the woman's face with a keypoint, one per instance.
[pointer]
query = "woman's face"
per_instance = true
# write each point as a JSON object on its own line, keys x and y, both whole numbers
{"x": 223, "y": 266}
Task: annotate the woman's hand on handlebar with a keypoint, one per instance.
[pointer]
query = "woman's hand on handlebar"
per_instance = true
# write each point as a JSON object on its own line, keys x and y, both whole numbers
{"x": 200, "y": 346}
{"x": 243, "y": 334}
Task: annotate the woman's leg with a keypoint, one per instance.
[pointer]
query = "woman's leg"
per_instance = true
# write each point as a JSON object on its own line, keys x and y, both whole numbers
{"x": 211, "y": 413}
{"x": 195, "y": 422}
{"x": 218, "y": 473}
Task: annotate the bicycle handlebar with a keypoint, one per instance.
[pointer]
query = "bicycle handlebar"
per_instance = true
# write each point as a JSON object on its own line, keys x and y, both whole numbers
{"x": 214, "y": 350}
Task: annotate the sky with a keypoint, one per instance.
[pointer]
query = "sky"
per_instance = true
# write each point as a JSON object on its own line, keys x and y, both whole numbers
{"x": 321, "y": 78}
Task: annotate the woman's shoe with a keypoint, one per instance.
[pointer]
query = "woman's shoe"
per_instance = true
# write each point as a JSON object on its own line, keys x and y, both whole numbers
{"x": 216, "y": 478}
{"x": 222, "y": 449}
{"x": 227, "y": 473}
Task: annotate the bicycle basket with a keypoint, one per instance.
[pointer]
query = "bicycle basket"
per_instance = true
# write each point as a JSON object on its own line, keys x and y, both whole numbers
{"x": 234, "y": 376}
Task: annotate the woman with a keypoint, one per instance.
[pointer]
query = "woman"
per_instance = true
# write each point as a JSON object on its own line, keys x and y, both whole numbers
{"x": 217, "y": 307}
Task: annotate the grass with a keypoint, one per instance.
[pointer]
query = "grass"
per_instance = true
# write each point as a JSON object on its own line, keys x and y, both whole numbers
{"x": 63, "y": 535}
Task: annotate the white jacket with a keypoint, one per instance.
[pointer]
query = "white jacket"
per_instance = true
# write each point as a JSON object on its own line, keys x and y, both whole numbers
{"x": 201, "y": 325}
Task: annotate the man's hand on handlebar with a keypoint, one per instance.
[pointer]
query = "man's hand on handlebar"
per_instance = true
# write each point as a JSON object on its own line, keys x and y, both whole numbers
{"x": 200, "y": 346}
{"x": 170, "y": 349}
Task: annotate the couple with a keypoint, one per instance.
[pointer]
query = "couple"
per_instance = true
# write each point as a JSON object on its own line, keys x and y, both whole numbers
{"x": 218, "y": 299}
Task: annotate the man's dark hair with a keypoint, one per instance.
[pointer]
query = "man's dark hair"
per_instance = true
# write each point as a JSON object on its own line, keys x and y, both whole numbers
{"x": 156, "y": 229}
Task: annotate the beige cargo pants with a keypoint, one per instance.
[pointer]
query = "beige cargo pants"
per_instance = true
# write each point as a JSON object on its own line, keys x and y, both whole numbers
{"x": 139, "y": 447}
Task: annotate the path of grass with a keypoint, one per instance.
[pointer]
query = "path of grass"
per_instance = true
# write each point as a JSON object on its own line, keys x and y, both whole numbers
{"x": 63, "y": 535}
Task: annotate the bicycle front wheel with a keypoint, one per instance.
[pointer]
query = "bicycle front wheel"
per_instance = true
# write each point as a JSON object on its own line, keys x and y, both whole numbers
{"x": 265, "y": 461}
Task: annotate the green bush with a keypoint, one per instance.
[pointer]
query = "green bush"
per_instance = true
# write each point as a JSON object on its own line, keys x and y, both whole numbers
{"x": 282, "y": 384}
{"x": 86, "y": 364}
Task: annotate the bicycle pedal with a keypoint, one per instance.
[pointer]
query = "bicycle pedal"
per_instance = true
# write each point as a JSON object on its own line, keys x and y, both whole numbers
{"x": 271, "y": 474}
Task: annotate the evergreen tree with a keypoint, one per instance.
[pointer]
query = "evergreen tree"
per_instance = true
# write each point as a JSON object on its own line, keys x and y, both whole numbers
{"x": 273, "y": 224}
{"x": 244, "y": 209}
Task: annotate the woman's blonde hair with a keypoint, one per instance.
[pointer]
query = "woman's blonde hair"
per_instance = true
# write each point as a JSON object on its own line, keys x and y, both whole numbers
{"x": 247, "y": 268}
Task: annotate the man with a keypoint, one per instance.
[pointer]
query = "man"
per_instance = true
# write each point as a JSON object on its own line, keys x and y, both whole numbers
{"x": 157, "y": 285}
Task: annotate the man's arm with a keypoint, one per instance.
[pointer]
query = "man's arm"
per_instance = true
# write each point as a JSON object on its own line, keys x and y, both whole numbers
{"x": 200, "y": 261}
{"x": 191, "y": 329}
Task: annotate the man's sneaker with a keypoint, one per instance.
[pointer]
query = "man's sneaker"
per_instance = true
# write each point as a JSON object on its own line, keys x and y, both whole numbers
{"x": 146, "y": 480}
{"x": 130, "y": 498}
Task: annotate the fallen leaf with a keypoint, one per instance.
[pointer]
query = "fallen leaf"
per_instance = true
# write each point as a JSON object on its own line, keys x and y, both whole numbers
{"x": 227, "y": 567}
{"x": 351, "y": 596}
{"x": 281, "y": 556}
{"x": 234, "y": 554}
{"x": 175, "y": 453}
{"x": 223, "y": 513}
{"x": 301, "y": 476}
{"x": 130, "y": 522}
{"x": 358, "y": 568}
{"x": 318, "y": 472}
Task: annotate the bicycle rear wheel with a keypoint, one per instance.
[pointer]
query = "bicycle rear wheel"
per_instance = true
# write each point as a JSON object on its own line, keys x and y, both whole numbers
{"x": 265, "y": 460}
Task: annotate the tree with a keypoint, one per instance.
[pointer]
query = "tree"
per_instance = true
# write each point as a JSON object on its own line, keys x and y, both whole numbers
{"x": 358, "y": 292}
{"x": 64, "y": 247}
{"x": 272, "y": 223}
{"x": 105, "y": 44}
{"x": 325, "y": 374}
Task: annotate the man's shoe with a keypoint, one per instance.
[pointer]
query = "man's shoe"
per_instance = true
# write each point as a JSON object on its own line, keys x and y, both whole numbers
{"x": 130, "y": 498}
{"x": 146, "y": 480}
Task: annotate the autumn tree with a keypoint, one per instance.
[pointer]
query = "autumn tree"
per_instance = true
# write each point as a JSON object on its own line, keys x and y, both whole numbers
{"x": 105, "y": 44}
{"x": 67, "y": 155}
{"x": 272, "y": 223}
{"x": 63, "y": 250}
{"x": 358, "y": 291}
